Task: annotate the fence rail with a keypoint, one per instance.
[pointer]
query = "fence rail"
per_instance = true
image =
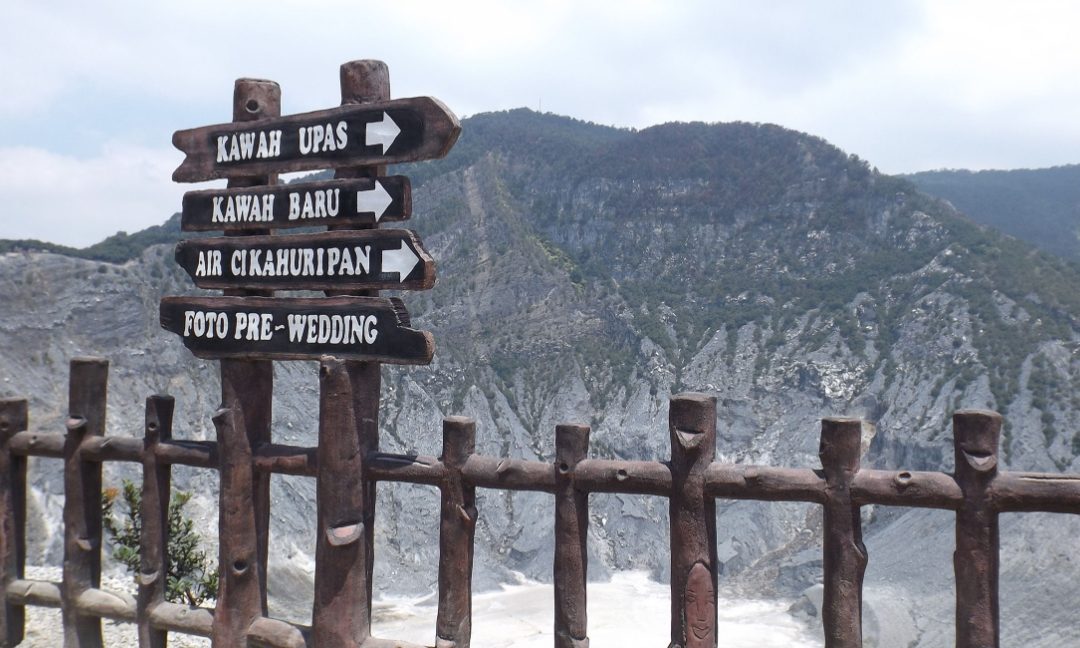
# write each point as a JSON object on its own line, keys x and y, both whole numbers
{"x": 347, "y": 468}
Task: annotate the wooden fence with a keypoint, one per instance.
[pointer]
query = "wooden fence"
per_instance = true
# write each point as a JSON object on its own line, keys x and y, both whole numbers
{"x": 691, "y": 481}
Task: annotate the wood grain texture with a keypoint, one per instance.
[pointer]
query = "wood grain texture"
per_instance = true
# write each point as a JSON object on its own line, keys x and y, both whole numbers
{"x": 82, "y": 500}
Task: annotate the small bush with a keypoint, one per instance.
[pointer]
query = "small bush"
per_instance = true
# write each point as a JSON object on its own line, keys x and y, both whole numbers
{"x": 191, "y": 579}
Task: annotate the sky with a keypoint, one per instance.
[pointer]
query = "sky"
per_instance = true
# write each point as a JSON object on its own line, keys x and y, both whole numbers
{"x": 92, "y": 91}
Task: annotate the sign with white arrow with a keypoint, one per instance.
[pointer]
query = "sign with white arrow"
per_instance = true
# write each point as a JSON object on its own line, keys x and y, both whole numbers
{"x": 389, "y": 132}
{"x": 344, "y": 260}
{"x": 279, "y": 328}
{"x": 354, "y": 202}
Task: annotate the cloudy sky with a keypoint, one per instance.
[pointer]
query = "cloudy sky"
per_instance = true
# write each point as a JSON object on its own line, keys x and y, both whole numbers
{"x": 92, "y": 91}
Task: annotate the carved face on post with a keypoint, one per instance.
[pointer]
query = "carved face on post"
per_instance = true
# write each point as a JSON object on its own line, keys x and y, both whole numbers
{"x": 699, "y": 603}
{"x": 692, "y": 445}
{"x": 692, "y": 430}
{"x": 979, "y": 453}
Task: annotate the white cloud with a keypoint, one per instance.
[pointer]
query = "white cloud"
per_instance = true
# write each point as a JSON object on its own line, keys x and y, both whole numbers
{"x": 78, "y": 202}
{"x": 906, "y": 84}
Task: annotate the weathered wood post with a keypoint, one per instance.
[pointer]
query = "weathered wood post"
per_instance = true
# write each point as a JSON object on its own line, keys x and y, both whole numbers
{"x": 239, "y": 602}
{"x": 154, "y": 514}
{"x": 362, "y": 82}
{"x": 457, "y": 529}
{"x": 571, "y": 534}
{"x": 341, "y": 615}
{"x": 692, "y": 426}
{"x": 975, "y": 438}
{"x": 844, "y": 554}
{"x": 82, "y": 500}
{"x": 13, "y": 419}
{"x": 248, "y": 385}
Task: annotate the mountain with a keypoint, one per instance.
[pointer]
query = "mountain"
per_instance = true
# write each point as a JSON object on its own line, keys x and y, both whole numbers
{"x": 118, "y": 248}
{"x": 1040, "y": 206}
{"x": 586, "y": 274}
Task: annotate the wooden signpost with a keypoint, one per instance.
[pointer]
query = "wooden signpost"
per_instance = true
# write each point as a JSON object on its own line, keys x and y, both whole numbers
{"x": 389, "y": 132}
{"x": 362, "y": 202}
{"x": 350, "y": 331}
{"x": 282, "y": 328}
{"x": 364, "y": 259}
{"x": 338, "y": 261}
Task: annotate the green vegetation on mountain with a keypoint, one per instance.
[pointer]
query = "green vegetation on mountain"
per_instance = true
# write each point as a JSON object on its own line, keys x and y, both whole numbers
{"x": 118, "y": 248}
{"x": 1040, "y": 206}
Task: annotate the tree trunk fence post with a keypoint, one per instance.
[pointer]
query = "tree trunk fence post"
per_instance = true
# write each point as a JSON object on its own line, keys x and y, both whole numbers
{"x": 571, "y": 534}
{"x": 340, "y": 618}
{"x": 154, "y": 515}
{"x": 239, "y": 602}
{"x": 975, "y": 438}
{"x": 13, "y": 419}
{"x": 82, "y": 500}
{"x": 457, "y": 529}
{"x": 844, "y": 554}
{"x": 692, "y": 427}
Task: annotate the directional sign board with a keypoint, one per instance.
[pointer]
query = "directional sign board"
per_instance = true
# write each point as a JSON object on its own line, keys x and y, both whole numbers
{"x": 400, "y": 130}
{"x": 360, "y": 201}
{"x": 277, "y": 328}
{"x": 347, "y": 260}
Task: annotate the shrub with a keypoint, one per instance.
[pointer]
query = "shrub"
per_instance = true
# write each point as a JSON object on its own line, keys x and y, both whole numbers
{"x": 191, "y": 579}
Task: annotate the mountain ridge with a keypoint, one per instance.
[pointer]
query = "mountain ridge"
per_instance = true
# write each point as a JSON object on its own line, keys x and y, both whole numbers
{"x": 763, "y": 266}
{"x": 1041, "y": 206}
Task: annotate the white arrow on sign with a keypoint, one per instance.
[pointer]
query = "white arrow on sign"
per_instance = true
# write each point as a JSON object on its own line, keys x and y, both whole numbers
{"x": 382, "y": 132}
{"x": 401, "y": 261}
{"x": 373, "y": 200}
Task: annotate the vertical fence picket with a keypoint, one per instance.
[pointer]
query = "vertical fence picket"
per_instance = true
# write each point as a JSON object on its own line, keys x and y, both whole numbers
{"x": 13, "y": 419}
{"x": 154, "y": 515}
{"x": 844, "y": 554}
{"x": 239, "y": 601}
{"x": 975, "y": 437}
{"x": 340, "y": 616}
{"x": 571, "y": 531}
{"x": 692, "y": 427}
{"x": 82, "y": 500}
{"x": 457, "y": 528}
{"x": 366, "y": 382}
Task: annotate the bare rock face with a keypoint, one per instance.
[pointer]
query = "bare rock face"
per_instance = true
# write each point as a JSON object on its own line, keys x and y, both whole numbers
{"x": 586, "y": 274}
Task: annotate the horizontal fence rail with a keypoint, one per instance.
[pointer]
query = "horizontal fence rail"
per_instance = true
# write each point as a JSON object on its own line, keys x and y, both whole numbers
{"x": 691, "y": 480}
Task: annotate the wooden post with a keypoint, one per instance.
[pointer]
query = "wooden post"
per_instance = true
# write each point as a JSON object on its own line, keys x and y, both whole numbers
{"x": 692, "y": 426}
{"x": 571, "y": 531}
{"x": 341, "y": 615}
{"x": 363, "y": 81}
{"x": 82, "y": 500}
{"x": 239, "y": 602}
{"x": 13, "y": 419}
{"x": 154, "y": 513}
{"x": 457, "y": 529}
{"x": 975, "y": 437}
{"x": 248, "y": 385}
{"x": 844, "y": 553}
